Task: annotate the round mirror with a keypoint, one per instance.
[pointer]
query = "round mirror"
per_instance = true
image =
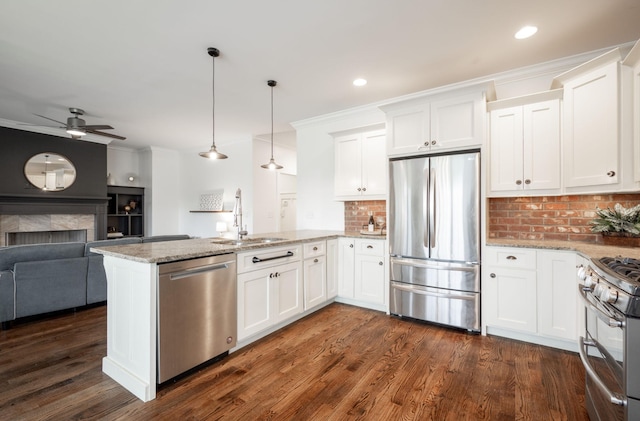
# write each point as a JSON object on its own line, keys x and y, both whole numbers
{"x": 50, "y": 171}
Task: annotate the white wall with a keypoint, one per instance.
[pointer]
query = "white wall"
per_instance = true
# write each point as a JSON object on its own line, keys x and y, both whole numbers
{"x": 122, "y": 163}
{"x": 315, "y": 204}
{"x": 201, "y": 176}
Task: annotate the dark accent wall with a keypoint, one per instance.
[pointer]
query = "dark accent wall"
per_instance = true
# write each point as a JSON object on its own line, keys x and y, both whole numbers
{"x": 17, "y": 146}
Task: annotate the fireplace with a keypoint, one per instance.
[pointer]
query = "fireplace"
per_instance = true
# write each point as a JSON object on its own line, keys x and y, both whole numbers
{"x": 28, "y": 221}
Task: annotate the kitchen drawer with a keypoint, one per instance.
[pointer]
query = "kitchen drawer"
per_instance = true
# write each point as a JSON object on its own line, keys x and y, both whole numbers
{"x": 510, "y": 257}
{"x": 268, "y": 257}
{"x": 369, "y": 247}
{"x": 317, "y": 248}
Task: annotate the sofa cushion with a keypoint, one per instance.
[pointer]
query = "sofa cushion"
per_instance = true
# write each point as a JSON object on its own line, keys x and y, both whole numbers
{"x": 44, "y": 286}
{"x": 157, "y": 238}
{"x": 107, "y": 243}
{"x": 7, "y": 296}
{"x": 9, "y": 256}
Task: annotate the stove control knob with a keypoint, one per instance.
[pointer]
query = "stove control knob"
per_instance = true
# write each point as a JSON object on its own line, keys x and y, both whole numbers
{"x": 609, "y": 296}
{"x": 582, "y": 273}
{"x": 589, "y": 282}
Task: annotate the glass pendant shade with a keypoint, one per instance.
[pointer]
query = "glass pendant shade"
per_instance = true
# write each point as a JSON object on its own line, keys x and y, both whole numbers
{"x": 271, "y": 165}
{"x": 213, "y": 152}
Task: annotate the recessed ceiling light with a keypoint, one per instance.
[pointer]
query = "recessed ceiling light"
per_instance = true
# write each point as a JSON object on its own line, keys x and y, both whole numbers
{"x": 526, "y": 32}
{"x": 360, "y": 82}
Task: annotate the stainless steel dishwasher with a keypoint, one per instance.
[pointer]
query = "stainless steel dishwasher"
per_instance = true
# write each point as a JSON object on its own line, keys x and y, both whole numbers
{"x": 197, "y": 318}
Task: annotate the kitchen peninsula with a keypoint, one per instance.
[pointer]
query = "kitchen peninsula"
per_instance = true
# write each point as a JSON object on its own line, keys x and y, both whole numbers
{"x": 133, "y": 288}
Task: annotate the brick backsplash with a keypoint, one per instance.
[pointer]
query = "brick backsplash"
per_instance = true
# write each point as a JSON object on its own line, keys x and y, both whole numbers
{"x": 356, "y": 214}
{"x": 550, "y": 217}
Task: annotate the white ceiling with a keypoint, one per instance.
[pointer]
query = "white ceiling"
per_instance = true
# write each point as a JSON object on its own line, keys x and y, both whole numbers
{"x": 142, "y": 66}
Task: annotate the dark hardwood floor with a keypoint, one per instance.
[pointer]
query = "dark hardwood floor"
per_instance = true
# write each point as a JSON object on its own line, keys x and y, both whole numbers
{"x": 340, "y": 363}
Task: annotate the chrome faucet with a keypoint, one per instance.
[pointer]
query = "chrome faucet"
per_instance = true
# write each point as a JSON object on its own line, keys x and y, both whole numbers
{"x": 237, "y": 215}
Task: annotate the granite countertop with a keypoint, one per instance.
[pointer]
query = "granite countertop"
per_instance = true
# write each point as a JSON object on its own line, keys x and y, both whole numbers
{"x": 171, "y": 251}
{"x": 589, "y": 250}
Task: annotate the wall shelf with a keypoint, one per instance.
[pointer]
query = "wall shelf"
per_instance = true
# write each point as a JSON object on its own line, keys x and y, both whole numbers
{"x": 127, "y": 223}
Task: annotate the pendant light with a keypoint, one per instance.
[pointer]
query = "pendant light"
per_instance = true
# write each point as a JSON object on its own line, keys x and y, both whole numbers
{"x": 271, "y": 165}
{"x": 213, "y": 153}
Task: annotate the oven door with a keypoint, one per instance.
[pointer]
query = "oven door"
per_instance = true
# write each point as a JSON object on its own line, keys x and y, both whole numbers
{"x": 601, "y": 352}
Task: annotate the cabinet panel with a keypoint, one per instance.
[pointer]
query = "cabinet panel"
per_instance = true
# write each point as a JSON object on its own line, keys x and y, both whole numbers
{"x": 541, "y": 139}
{"x": 456, "y": 122}
{"x": 348, "y": 169}
{"x": 591, "y": 136}
{"x": 360, "y": 165}
{"x": 346, "y": 267}
{"x": 332, "y": 268}
{"x": 511, "y": 299}
{"x": 557, "y": 294}
{"x": 506, "y": 143}
{"x": 408, "y": 129}
{"x": 289, "y": 292}
{"x": 315, "y": 282}
{"x": 369, "y": 279}
{"x": 254, "y": 312}
{"x": 374, "y": 163}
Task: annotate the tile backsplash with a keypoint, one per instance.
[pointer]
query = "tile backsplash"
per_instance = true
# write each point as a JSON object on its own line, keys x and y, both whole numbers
{"x": 550, "y": 217}
{"x": 356, "y": 214}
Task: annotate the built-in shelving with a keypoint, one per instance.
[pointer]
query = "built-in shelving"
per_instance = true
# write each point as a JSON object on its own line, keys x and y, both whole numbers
{"x": 125, "y": 216}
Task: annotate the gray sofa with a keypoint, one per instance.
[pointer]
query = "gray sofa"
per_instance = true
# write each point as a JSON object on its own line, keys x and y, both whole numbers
{"x": 41, "y": 278}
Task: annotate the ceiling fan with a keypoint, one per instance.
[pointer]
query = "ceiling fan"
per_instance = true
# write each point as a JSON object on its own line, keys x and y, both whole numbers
{"x": 77, "y": 127}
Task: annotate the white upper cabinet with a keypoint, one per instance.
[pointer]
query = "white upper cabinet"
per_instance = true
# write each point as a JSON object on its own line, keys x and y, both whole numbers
{"x": 435, "y": 123}
{"x": 361, "y": 166}
{"x": 591, "y": 110}
{"x": 633, "y": 61}
{"x": 525, "y": 145}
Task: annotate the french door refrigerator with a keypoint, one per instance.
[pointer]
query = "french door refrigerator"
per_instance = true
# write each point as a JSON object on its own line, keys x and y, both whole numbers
{"x": 434, "y": 238}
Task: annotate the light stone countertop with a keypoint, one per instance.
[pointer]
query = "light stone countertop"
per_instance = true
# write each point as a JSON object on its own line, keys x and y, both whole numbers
{"x": 171, "y": 251}
{"x": 592, "y": 251}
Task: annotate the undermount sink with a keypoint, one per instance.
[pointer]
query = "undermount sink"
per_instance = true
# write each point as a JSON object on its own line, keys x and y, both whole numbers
{"x": 232, "y": 242}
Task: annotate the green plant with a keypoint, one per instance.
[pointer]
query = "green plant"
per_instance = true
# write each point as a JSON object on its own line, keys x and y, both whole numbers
{"x": 619, "y": 219}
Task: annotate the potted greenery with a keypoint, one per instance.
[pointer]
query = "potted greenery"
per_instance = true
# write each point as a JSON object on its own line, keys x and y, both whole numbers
{"x": 619, "y": 226}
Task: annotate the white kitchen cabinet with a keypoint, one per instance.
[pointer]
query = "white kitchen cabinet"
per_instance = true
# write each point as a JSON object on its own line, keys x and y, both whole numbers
{"x": 270, "y": 293}
{"x": 591, "y": 121}
{"x": 332, "y": 268}
{"x": 361, "y": 166}
{"x": 362, "y": 266}
{"x": 633, "y": 61}
{"x": 435, "y": 123}
{"x": 525, "y": 145}
{"x": 557, "y": 294}
{"x": 531, "y": 295}
{"x": 509, "y": 290}
{"x": 315, "y": 274}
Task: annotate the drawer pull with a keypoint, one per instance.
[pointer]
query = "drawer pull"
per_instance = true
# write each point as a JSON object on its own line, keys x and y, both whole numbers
{"x": 258, "y": 260}
{"x": 512, "y": 258}
{"x": 493, "y": 275}
{"x": 315, "y": 260}
{"x": 315, "y": 249}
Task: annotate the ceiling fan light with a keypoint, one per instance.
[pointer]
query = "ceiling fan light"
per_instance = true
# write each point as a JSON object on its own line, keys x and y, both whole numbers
{"x": 74, "y": 131}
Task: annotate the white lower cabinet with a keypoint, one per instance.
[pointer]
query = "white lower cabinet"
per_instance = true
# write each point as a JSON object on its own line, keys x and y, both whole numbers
{"x": 362, "y": 273}
{"x": 531, "y": 295}
{"x": 271, "y": 294}
{"x": 315, "y": 274}
{"x": 332, "y": 268}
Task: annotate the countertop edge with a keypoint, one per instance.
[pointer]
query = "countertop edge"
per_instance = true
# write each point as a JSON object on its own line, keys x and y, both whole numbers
{"x": 587, "y": 250}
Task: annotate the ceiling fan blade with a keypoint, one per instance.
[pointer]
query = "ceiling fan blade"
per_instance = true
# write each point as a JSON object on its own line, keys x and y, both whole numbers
{"x": 60, "y": 122}
{"x": 97, "y": 127}
{"x": 105, "y": 134}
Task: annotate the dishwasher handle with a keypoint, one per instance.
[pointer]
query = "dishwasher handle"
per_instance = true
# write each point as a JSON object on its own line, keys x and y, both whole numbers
{"x": 196, "y": 271}
{"x": 258, "y": 260}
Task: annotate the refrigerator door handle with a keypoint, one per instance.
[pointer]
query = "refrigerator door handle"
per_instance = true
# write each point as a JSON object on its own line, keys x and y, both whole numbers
{"x": 432, "y": 208}
{"x": 426, "y": 214}
{"x": 458, "y": 296}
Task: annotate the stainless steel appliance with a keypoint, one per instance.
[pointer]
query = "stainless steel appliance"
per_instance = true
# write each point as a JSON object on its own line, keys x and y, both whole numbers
{"x": 434, "y": 238}
{"x": 197, "y": 318}
{"x": 610, "y": 349}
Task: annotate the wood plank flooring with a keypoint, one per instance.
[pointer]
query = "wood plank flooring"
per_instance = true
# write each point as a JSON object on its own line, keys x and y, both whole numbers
{"x": 340, "y": 363}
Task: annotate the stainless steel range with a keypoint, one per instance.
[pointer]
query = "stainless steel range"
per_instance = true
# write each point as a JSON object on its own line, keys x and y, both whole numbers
{"x": 610, "y": 350}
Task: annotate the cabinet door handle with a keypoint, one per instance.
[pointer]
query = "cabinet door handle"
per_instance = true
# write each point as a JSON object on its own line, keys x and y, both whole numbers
{"x": 364, "y": 189}
{"x": 315, "y": 260}
{"x": 527, "y": 181}
{"x": 518, "y": 182}
{"x": 369, "y": 246}
{"x": 380, "y": 263}
{"x": 351, "y": 245}
{"x": 359, "y": 189}
{"x": 493, "y": 275}
{"x": 512, "y": 258}
{"x": 315, "y": 249}
{"x": 611, "y": 173}
{"x": 425, "y": 145}
{"x": 433, "y": 142}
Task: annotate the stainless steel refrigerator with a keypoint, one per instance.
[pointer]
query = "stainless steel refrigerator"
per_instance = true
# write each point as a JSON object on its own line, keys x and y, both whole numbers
{"x": 434, "y": 238}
